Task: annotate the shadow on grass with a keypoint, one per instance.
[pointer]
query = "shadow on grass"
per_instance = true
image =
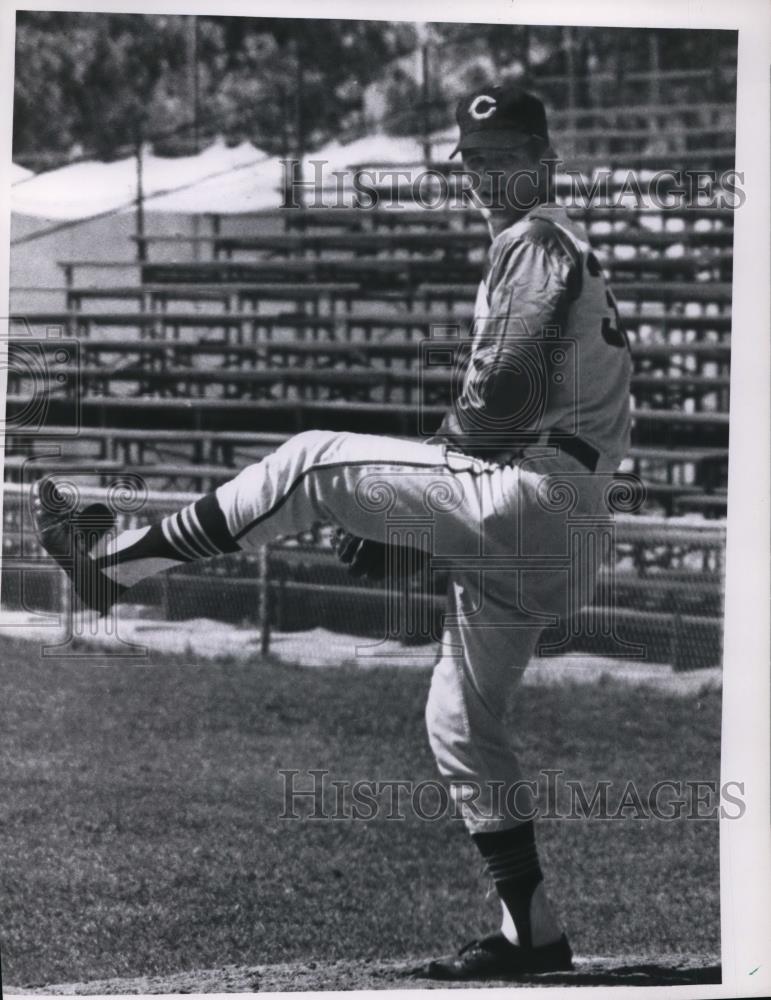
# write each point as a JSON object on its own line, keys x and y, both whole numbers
{"x": 610, "y": 972}
{"x": 648, "y": 974}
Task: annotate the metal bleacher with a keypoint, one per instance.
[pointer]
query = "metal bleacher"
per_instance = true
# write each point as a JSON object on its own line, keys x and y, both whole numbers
{"x": 328, "y": 326}
{"x": 206, "y": 351}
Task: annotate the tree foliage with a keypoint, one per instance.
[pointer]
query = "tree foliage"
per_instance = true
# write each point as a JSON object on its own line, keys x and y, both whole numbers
{"x": 97, "y": 83}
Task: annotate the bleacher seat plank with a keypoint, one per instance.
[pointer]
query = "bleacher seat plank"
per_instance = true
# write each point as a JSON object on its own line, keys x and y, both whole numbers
{"x": 627, "y": 291}
{"x": 88, "y": 379}
{"x": 412, "y": 320}
{"x": 443, "y": 218}
{"x": 409, "y": 270}
{"x": 452, "y": 241}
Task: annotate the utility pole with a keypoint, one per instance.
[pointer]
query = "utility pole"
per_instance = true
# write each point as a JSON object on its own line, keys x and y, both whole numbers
{"x": 570, "y": 69}
{"x": 426, "y": 86}
{"x": 654, "y": 92}
{"x": 196, "y": 90}
{"x": 193, "y": 77}
{"x": 654, "y": 83}
{"x": 299, "y": 119}
{"x": 140, "y": 202}
{"x": 525, "y": 36}
{"x": 423, "y": 38}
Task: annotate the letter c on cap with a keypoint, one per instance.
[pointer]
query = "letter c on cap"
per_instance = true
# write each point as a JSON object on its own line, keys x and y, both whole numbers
{"x": 482, "y": 107}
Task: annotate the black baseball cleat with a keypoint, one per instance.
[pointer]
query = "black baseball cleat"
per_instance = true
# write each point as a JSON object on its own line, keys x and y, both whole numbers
{"x": 494, "y": 957}
{"x": 68, "y": 535}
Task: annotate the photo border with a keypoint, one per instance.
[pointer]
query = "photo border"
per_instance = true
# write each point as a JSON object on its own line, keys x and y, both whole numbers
{"x": 745, "y": 844}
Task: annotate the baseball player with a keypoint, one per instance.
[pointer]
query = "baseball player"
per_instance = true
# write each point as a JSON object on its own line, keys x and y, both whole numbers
{"x": 539, "y": 425}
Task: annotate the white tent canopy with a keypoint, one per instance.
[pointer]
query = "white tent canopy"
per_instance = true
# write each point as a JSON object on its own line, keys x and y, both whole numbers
{"x": 395, "y": 150}
{"x": 219, "y": 179}
{"x": 81, "y": 190}
{"x": 19, "y": 173}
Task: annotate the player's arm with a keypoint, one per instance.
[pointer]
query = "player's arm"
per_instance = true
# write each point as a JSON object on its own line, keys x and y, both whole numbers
{"x": 528, "y": 292}
{"x": 530, "y": 284}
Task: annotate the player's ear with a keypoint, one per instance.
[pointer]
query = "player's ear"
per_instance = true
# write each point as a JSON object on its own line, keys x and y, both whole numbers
{"x": 474, "y": 161}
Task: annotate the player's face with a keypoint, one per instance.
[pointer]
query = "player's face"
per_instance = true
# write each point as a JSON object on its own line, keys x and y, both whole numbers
{"x": 495, "y": 176}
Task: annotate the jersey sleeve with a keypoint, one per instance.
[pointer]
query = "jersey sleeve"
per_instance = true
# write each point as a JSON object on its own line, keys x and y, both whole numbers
{"x": 527, "y": 293}
{"x": 529, "y": 286}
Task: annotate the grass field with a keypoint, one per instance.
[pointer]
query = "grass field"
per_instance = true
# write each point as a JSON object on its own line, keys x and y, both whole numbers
{"x": 139, "y": 829}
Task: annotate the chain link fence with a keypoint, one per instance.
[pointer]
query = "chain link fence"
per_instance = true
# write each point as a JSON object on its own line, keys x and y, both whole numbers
{"x": 660, "y": 595}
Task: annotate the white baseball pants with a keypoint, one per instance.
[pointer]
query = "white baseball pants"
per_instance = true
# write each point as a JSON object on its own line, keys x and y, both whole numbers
{"x": 508, "y": 536}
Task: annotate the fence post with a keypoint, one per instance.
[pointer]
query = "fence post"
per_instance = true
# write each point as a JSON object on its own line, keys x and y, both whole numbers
{"x": 264, "y": 606}
{"x": 676, "y": 641}
{"x": 165, "y": 587}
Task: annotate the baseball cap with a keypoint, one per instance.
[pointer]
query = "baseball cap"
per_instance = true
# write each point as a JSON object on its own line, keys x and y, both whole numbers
{"x": 503, "y": 117}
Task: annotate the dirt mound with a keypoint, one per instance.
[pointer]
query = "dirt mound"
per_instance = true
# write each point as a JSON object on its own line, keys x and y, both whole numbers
{"x": 673, "y": 970}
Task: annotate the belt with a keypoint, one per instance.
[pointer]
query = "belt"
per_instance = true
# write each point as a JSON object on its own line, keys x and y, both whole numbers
{"x": 577, "y": 448}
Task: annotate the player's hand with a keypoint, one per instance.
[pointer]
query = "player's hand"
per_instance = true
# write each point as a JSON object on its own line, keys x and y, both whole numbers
{"x": 370, "y": 560}
{"x": 362, "y": 556}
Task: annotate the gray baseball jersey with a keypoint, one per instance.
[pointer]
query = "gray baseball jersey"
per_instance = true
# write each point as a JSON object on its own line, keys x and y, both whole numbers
{"x": 548, "y": 354}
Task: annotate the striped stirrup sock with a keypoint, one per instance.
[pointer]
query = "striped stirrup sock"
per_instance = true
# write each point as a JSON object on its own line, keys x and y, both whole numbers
{"x": 195, "y": 532}
{"x": 511, "y": 859}
{"x": 198, "y": 531}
